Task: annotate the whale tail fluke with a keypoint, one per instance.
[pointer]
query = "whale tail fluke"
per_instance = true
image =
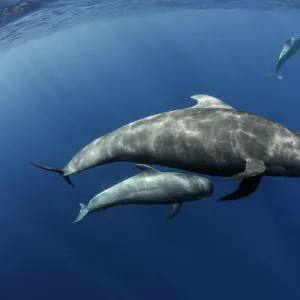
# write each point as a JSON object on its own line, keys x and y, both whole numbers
{"x": 82, "y": 213}
{"x": 60, "y": 172}
{"x": 276, "y": 75}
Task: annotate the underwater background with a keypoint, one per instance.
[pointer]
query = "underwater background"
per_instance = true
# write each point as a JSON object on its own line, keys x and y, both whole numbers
{"x": 72, "y": 71}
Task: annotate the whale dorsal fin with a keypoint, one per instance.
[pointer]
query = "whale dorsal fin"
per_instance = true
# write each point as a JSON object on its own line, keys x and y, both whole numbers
{"x": 206, "y": 101}
{"x": 145, "y": 168}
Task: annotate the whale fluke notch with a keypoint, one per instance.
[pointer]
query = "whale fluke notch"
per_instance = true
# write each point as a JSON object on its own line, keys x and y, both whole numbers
{"x": 206, "y": 101}
{"x": 146, "y": 168}
{"x": 60, "y": 172}
{"x": 174, "y": 211}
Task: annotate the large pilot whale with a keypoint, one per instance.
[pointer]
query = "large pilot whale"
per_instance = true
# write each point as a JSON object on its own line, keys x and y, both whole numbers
{"x": 289, "y": 49}
{"x": 151, "y": 186}
{"x": 209, "y": 138}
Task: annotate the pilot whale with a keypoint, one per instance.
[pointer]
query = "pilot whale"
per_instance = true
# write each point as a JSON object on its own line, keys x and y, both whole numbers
{"x": 209, "y": 138}
{"x": 151, "y": 186}
{"x": 289, "y": 49}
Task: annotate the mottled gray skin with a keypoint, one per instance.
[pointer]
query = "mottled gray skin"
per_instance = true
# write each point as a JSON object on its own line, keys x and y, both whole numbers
{"x": 289, "y": 49}
{"x": 151, "y": 187}
{"x": 214, "y": 140}
{"x": 210, "y": 138}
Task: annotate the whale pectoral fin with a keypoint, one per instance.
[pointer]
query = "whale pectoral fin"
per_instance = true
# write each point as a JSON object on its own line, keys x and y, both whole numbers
{"x": 246, "y": 187}
{"x": 174, "y": 211}
{"x": 254, "y": 167}
{"x": 146, "y": 168}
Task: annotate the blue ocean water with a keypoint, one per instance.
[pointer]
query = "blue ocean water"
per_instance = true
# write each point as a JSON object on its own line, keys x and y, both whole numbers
{"x": 75, "y": 70}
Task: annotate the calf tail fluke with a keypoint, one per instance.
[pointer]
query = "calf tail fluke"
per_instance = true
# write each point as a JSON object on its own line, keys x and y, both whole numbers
{"x": 60, "y": 172}
{"x": 276, "y": 75}
{"x": 82, "y": 213}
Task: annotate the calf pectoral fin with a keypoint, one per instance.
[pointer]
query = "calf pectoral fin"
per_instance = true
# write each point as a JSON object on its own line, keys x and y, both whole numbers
{"x": 174, "y": 211}
{"x": 254, "y": 167}
{"x": 246, "y": 187}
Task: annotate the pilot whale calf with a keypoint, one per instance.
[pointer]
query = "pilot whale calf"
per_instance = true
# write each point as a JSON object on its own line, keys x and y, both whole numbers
{"x": 289, "y": 49}
{"x": 209, "y": 138}
{"x": 151, "y": 186}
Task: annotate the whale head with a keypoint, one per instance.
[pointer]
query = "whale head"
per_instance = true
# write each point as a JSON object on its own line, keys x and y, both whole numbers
{"x": 285, "y": 153}
{"x": 205, "y": 186}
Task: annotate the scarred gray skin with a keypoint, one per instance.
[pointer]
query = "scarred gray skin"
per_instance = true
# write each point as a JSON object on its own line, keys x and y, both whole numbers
{"x": 151, "y": 187}
{"x": 212, "y": 141}
{"x": 209, "y": 138}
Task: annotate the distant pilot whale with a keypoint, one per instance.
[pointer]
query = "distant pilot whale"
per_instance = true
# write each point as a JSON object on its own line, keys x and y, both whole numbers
{"x": 151, "y": 187}
{"x": 289, "y": 49}
{"x": 210, "y": 138}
